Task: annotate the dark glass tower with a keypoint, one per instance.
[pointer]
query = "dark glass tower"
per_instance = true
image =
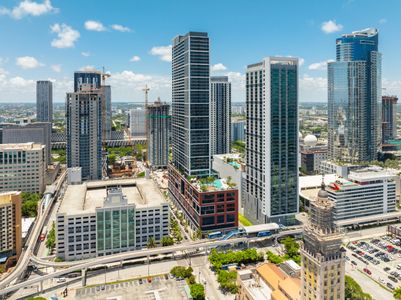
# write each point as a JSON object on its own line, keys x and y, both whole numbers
{"x": 190, "y": 104}
{"x": 220, "y": 115}
{"x": 354, "y": 95}
{"x": 44, "y": 101}
{"x": 93, "y": 78}
{"x": 271, "y": 187}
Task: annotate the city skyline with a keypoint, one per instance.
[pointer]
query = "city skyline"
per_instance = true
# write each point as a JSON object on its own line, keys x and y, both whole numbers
{"x": 62, "y": 39}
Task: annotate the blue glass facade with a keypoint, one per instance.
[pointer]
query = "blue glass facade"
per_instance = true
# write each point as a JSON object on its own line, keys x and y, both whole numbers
{"x": 190, "y": 104}
{"x": 87, "y": 77}
{"x": 354, "y": 95}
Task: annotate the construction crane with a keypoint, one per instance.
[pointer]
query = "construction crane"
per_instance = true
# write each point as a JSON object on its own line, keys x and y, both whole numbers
{"x": 104, "y": 76}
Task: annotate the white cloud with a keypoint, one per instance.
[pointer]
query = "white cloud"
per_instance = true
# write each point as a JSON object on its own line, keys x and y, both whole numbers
{"x": 21, "y": 82}
{"x": 88, "y": 68}
{"x": 85, "y": 53}
{"x": 94, "y": 26}
{"x": 237, "y": 80}
{"x": 27, "y": 62}
{"x": 164, "y": 52}
{"x": 331, "y": 26}
{"x": 56, "y": 68}
{"x": 301, "y": 61}
{"x": 319, "y": 65}
{"x": 135, "y": 58}
{"x": 3, "y": 60}
{"x": 29, "y": 8}
{"x": 391, "y": 87}
{"x": 120, "y": 28}
{"x": 312, "y": 88}
{"x": 66, "y": 36}
{"x": 218, "y": 67}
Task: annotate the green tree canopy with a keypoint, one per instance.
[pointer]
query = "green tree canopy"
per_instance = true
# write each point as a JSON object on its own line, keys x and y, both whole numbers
{"x": 354, "y": 291}
{"x": 197, "y": 291}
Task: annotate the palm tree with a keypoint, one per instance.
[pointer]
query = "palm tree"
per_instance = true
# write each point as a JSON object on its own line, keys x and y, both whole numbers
{"x": 397, "y": 293}
{"x": 151, "y": 242}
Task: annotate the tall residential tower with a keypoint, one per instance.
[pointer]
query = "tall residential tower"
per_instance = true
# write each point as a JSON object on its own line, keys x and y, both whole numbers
{"x": 158, "y": 134}
{"x": 354, "y": 95}
{"x": 220, "y": 115}
{"x": 84, "y": 131}
{"x": 44, "y": 101}
{"x": 271, "y": 186}
{"x": 190, "y": 104}
{"x": 389, "y": 118}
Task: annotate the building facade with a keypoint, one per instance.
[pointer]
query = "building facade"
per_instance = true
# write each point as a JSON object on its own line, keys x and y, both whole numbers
{"x": 22, "y": 167}
{"x": 107, "y": 112}
{"x": 220, "y": 115}
{"x": 38, "y": 132}
{"x": 354, "y": 95}
{"x": 323, "y": 260}
{"x": 93, "y": 78}
{"x": 84, "y": 131}
{"x": 364, "y": 192}
{"x": 137, "y": 122}
{"x": 190, "y": 104}
{"x": 44, "y": 101}
{"x": 106, "y": 217}
{"x": 10, "y": 228}
{"x": 212, "y": 207}
{"x": 389, "y": 118}
{"x": 158, "y": 134}
{"x": 238, "y": 130}
{"x": 271, "y": 188}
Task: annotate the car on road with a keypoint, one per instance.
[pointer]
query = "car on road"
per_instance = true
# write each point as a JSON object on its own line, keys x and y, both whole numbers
{"x": 392, "y": 278}
{"x": 60, "y": 279}
{"x": 386, "y": 269}
{"x": 353, "y": 262}
{"x": 367, "y": 271}
{"x": 382, "y": 281}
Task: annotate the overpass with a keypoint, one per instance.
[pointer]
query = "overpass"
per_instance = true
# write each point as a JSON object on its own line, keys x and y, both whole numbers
{"x": 102, "y": 260}
{"x": 43, "y": 211}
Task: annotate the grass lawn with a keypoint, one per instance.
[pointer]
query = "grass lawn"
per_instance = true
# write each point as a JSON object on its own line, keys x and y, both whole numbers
{"x": 244, "y": 221}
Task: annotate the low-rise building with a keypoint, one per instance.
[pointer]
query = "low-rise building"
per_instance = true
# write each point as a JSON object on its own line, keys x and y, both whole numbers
{"x": 267, "y": 282}
{"x": 210, "y": 206}
{"x": 230, "y": 166}
{"x": 22, "y": 167}
{"x": 10, "y": 228}
{"x": 104, "y": 217}
{"x": 365, "y": 192}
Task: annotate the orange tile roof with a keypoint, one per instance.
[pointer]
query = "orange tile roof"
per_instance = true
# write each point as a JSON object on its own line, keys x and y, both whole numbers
{"x": 271, "y": 274}
{"x": 291, "y": 287}
{"x": 278, "y": 295}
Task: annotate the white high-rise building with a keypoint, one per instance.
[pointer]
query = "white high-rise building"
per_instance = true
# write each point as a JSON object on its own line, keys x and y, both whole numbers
{"x": 271, "y": 187}
{"x": 22, "y": 167}
{"x": 220, "y": 115}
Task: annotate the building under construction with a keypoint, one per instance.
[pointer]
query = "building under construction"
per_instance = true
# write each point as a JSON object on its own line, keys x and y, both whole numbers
{"x": 158, "y": 122}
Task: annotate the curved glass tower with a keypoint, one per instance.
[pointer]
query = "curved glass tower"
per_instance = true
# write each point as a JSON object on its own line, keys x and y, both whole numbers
{"x": 354, "y": 95}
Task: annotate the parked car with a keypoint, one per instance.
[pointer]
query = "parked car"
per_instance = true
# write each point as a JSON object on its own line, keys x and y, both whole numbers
{"x": 390, "y": 286}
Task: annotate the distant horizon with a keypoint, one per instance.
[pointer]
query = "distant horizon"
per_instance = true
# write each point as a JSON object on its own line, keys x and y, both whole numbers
{"x": 124, "y": 101}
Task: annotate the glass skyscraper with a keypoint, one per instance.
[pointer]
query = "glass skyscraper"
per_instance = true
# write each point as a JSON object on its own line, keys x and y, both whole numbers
{"x": 271, "y": 187}
{"x": 44, "y": 101}
{"x": 190, "y": 104}
{"x": 220, "y": 115}
{"x": 354, "y": 95}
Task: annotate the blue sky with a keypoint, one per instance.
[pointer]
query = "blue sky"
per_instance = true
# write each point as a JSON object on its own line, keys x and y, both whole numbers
{"x": 51, "y": 39}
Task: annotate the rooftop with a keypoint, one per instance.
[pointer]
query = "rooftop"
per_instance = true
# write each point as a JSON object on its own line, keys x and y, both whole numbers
{"x": 271, "y": 274}
{"x": 21, "y": 146}
{"x": 86, "y": 197}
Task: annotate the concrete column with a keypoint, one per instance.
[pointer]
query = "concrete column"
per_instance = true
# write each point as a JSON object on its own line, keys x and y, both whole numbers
{"x": 41, "y": 287}
{"x": 83, "y": 277}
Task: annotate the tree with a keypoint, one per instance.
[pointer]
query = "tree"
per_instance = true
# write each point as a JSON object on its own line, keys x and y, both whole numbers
{"x": 354, "y": 291}
{"x": 227, "y": 281}
{"x": 151, "y": 242}
{"x": 51, "y": 238}
{"x": 167, "y": 241}
{"x": 274, "y": 258}
{"x": 112, "y": 158}
{"x": 397, "y": 293}
{"x": 182, "y": 272}
{"x": 197, "y": 291}
{"x": 29, "y": 204}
